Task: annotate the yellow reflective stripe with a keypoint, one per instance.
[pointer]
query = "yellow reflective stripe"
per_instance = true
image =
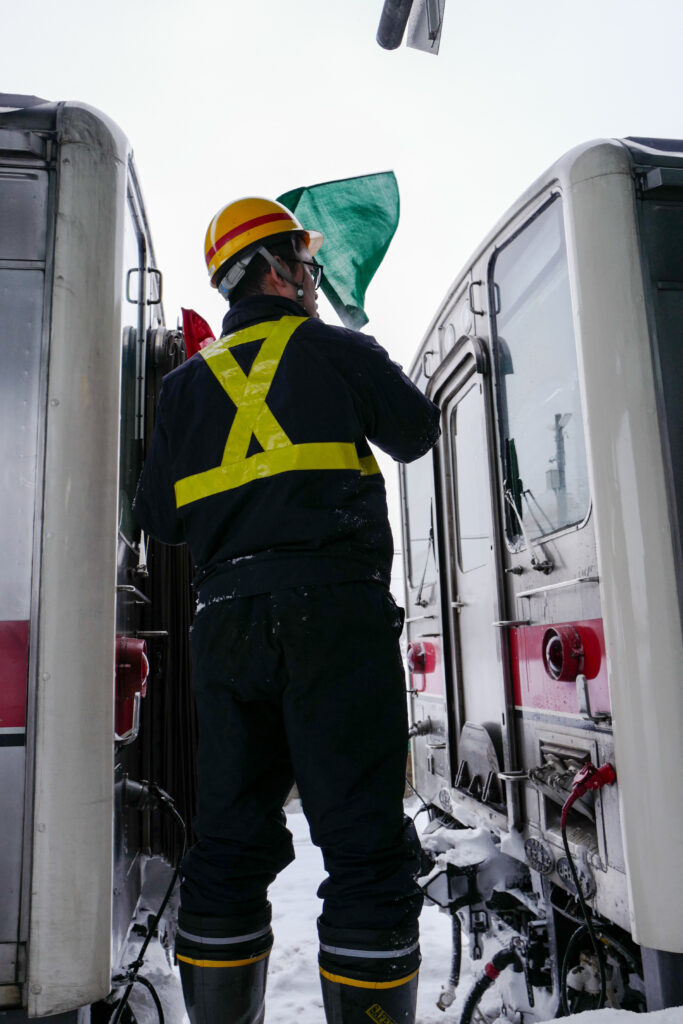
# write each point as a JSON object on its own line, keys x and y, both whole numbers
{"x": 323, "y": 455}
{"x": 256, "y": 333}
{"x": 221, "y": 963}
{"x": 366, "y": 984}
{"x": 253, "y": 417}
{"x": 249, "y": 393}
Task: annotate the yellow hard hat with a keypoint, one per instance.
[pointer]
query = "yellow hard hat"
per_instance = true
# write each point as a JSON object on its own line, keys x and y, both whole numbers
{"x": 244, "y": 222}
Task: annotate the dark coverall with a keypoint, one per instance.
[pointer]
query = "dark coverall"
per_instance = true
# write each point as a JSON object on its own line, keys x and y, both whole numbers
{"x": 260, "y": 462}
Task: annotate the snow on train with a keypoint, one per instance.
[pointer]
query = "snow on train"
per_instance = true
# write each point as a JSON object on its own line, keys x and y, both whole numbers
{"x": 85, "y": 628}
{"x": 544, "y": 585}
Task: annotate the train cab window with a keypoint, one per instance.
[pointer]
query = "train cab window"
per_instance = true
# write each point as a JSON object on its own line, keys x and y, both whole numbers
{"x": 471, "y": 492}
{"x": 132, "y": 369}
{"x": 23, "y": 200}
{"x": 21, "y": 292}
{"x": 419, "y": 522}
{"x": 546, "y": 477}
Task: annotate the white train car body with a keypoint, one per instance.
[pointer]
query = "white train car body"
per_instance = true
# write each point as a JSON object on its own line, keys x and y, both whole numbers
{"x": 543, "y": 549}
{"x": 79, "y": 308}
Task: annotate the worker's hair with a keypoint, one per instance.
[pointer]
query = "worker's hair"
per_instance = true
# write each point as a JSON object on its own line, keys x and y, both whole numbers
{"x": 284, "y": 247}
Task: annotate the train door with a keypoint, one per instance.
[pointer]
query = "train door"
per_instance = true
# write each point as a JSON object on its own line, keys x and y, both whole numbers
{"x": 480, "y": 740}
{"x": 544, "y": 504}
{"x": 424, "y": 630}
{"x": 24, "y": 250}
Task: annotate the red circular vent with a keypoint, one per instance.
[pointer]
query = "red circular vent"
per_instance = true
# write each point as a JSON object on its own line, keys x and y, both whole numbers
{"x": 563, "y": 653}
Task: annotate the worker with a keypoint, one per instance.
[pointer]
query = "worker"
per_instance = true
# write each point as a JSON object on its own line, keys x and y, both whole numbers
{"x": 260, "y": 461}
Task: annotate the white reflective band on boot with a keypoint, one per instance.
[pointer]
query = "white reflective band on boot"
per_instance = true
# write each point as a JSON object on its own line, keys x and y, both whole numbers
{"x": 204, "y": 940}
{"x": 371, "y": 954}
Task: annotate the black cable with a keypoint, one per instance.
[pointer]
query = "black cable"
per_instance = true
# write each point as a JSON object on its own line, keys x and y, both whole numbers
{"x": 141, "y": 791}
{"x": 604, "y": 933}
{"x": 607, "y": 938}
{"x": 502, "y": 959}
{"x": 576, "y": 938}
{"x": 456, "y": 959}
{"x": 588, "y": 927}
{"x": 574, "y": 918}
{"x": 472, "y": 1001}
{"x": 139, "y": 980}
{"x": 622, "y": 950}
{"x": 425, "y": 807}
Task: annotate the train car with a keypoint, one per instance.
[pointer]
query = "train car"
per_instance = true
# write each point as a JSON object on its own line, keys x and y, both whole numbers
{"x": 544, "y": 585}
{"x": 92, "y": 617}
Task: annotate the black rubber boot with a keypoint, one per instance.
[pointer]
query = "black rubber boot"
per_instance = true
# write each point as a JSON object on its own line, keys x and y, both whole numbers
{"x": 348, "y": 1001}
{"x": 225, "y": 995}
{"x": 369, "y": 975}
{"x": 223, "y": 965}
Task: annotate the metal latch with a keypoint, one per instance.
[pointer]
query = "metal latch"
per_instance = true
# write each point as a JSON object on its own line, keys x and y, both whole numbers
{"x": 583, "y": 697}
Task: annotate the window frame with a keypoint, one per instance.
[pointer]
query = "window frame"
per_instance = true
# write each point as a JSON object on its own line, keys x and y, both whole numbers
{"x": 470, "y": 386}
{"x": 430, "y": 539}
{"x": 515, "y": 541}
{"x": 132, "y": 220}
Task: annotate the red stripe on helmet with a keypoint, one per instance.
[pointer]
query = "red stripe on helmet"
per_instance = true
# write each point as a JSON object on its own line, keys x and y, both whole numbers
{"x": 267, "y": 218}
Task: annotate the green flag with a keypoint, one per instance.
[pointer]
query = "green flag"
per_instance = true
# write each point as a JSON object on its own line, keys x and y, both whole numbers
{"x": 358, "y": 217}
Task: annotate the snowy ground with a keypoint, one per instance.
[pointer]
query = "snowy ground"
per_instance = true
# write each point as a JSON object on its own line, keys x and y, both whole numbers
{"x": 293, "y": 988}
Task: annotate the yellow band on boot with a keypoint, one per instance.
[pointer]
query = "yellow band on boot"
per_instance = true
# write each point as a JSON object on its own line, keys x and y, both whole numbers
{"x": 221, "y": 963}
{"x": 366, "y": 984}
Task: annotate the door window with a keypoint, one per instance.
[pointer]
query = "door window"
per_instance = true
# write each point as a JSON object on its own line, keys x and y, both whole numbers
{"x": 21, "y": 308}
{"x": 419, "y": 520}
{"x": 132, "y": 373}
{"x": 23, "y": 202}
{"x": 546, "y": 476}
{"x": 471, "y": 479}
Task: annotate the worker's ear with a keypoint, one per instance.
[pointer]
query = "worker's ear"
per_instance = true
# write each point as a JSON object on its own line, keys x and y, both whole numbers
{"x": 278, "y": 283}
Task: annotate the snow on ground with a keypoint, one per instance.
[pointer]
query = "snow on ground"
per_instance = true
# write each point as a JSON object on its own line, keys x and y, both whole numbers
{"x": 293, "y": 994}
{"x": 672, "y": 1016}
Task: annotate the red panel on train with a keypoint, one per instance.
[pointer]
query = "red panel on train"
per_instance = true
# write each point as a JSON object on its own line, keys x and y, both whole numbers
{"x": 535, "y": 688}
{"x": 13, "y": 672}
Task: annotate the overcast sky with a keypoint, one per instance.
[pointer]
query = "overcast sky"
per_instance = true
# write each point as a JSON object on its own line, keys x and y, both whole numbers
{"x": 225, "y": 99}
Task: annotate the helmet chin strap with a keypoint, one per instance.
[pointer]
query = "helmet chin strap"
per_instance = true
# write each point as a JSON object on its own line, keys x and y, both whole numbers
{"x": 282, "y": 271}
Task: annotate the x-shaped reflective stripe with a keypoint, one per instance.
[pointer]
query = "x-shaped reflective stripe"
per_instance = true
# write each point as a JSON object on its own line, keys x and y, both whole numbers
{"x": 253, "y": 417}
{"x": 249, "y": 392}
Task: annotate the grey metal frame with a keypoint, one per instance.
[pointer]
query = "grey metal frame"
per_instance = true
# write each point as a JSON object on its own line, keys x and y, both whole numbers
{"x": 31, "y": 152}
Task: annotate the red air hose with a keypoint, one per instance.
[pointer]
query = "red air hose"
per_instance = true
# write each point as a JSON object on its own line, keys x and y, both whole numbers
{"x": 588, "y": 778}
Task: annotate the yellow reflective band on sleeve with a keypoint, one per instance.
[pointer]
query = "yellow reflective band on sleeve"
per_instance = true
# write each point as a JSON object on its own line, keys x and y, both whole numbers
{"x": 368, "y": 465}
{"x": 221, "y": 963}
{"x": 254, "y": 418}
{"x": 366, "y": 984}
